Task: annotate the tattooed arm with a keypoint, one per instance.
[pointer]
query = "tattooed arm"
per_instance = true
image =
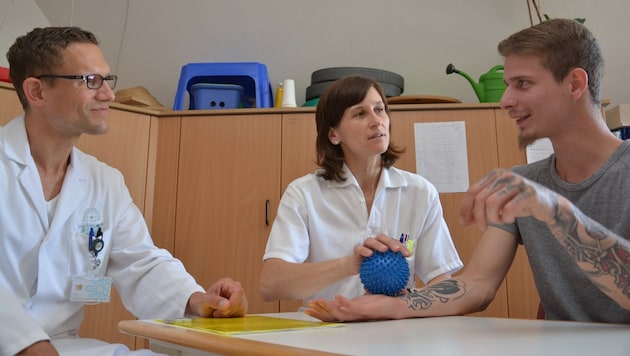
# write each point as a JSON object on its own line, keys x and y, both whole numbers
{"x": 600, "y": 253}
{"x": 470, "y": 291}
{"x": 500, "y": 198}
{"x": 503, "y": 196}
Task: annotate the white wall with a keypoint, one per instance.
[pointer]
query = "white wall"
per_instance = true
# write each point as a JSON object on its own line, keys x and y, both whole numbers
{"x": 16, "y": 18}
{"x": 147, "y": 41}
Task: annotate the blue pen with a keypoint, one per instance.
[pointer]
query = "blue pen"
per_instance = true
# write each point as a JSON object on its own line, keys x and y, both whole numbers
{"x": 402, "y": 237}
{"x": 91, "y": 236}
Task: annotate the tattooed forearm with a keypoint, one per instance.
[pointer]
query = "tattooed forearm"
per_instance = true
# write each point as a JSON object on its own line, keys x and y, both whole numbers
{"x": 563, "y": 222}
{"x": 598, "y": 249}
{"x": 445, "y": 291}
{"x": 508, "y": 184}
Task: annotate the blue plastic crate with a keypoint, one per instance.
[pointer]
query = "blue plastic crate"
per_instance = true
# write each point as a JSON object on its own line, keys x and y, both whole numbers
{"x": 252, "y": 76}
{"x": 216, "y": 96}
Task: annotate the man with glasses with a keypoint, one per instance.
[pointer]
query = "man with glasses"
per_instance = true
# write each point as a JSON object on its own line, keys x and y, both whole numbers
{"x": 69, "y": 229}
{"x": 92, "y": 81}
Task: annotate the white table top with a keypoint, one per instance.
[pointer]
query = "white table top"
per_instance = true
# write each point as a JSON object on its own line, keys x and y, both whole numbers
{"x": 458, "y": 335}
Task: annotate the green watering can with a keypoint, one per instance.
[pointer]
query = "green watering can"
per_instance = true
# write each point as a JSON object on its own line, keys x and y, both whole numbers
{"x": 490, "y": 87}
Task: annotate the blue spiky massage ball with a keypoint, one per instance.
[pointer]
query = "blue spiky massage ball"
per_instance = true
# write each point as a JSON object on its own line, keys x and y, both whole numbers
{"x": 384, "y": 273}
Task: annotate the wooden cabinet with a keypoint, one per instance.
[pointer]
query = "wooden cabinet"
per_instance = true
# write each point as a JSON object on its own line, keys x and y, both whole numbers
{"x": 491, "y": 143}
{"x": 482, "y": 157}
{"x": 524, "y": 300}
{"x": 209, "y": 183}
{"x": 228, "y": 189}
{"x": 123, "y": 147}
{"x": 150, "y": 171}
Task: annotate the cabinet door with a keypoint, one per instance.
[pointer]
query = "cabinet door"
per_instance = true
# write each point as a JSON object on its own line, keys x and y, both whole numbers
{"x": 482, "y": 157}
{"x": 228, "y": 191}
{"x": 124, "y": 147}
{"x": 298, "y": 159}
{"x": 298, "y": 146}
{"x": 524, "y": 299}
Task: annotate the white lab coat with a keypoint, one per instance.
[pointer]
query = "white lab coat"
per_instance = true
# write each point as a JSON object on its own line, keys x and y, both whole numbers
{"x": 38, "y": 257}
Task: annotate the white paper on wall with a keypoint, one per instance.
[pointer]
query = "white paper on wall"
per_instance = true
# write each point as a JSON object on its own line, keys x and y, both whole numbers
{"x": 442, "y": 155}
{"x": 538, "y": 150}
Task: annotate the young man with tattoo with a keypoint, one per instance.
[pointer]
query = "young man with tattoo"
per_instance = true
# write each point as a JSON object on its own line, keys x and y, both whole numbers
{"x": 571, "y": 211}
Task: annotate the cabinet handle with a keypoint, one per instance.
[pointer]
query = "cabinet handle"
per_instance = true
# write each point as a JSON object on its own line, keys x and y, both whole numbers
{"x": 267, "y": 212}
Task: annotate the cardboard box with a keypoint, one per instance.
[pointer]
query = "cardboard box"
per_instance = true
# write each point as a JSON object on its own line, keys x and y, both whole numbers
{"x": 618, "y": 116}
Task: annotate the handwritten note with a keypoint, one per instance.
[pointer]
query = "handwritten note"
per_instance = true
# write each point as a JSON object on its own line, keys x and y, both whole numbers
{"x": 442, "y": 155}
{"x": 538, "y": 150}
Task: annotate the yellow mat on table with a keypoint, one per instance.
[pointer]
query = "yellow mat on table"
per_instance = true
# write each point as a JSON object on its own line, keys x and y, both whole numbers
{"x": 246, "y": 325}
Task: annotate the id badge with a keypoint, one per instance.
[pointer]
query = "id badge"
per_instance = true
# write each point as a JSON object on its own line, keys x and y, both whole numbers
{"x": 91, "y": 289}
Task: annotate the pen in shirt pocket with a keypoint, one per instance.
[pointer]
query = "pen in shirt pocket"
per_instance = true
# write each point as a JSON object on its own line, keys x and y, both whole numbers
{"x": 404, "y": 239}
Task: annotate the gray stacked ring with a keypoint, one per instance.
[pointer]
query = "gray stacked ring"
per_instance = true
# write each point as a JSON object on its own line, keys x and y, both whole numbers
{"x": 315, "y": 90}
{"x": 381, "y": 76}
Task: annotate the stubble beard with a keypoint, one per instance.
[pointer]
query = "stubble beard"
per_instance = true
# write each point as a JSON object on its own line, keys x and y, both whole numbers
{"x": 524, "y": 141}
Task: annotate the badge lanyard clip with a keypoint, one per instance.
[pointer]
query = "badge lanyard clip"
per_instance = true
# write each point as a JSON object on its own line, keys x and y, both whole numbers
{"x": 95, "y": 245}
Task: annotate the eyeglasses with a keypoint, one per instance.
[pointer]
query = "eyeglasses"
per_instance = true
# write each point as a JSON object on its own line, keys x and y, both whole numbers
{"x": 92, "y": 81}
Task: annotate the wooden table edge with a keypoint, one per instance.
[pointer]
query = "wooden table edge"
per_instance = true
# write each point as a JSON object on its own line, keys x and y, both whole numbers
{"x": 224, "y": 345}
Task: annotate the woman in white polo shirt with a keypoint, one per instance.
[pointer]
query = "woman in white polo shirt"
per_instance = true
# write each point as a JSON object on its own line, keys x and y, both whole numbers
{"x": 315, "y": 246}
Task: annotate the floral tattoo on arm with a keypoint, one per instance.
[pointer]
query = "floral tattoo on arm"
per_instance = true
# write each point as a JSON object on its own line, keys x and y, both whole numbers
{"x": 443, "y": 292}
